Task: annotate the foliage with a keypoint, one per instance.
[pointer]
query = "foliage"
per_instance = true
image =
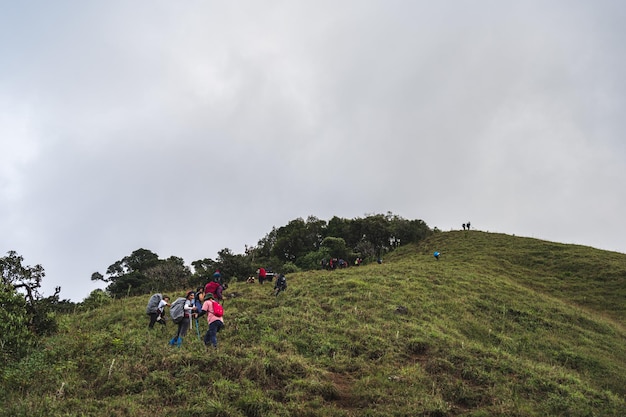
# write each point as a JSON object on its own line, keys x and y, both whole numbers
{"x": 299, "y": 245}
{"x": 336, "y": 247}
{"x": 96, "y": 299}
{"x": 233, "y": 265}
{"x": 312, "y": 260}
{"x": 499, "y": 326}
{"x": 15, "y": 336}
{"x": 143, "y": 272}
{"x": 26, "y": 280}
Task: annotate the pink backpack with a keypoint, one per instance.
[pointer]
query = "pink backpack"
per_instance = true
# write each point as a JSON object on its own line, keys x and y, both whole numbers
{"x": 218, "y": 310}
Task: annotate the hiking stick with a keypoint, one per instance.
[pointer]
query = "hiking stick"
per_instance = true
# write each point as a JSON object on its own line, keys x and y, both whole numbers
{"x": 198, "y": 330}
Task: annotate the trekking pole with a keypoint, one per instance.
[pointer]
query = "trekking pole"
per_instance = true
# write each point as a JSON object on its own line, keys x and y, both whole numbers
{"x": 198, "y": 330}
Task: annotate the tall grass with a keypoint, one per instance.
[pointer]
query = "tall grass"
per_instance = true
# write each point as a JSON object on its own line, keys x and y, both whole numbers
{"x": 499, "y": 326}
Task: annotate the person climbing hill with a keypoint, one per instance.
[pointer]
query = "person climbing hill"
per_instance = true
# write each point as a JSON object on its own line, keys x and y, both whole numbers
{"x": 182, "y": 312}
{"x": 281, "y": 284}
{"x": 214, "y": 288}
{"x": 215, "y": 318}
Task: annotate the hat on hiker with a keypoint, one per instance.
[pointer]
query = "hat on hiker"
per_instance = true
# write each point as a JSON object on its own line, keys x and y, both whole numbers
{"x": 209, "y": 295}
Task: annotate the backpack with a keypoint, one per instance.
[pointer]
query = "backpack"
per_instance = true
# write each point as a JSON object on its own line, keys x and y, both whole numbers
{"x": 211, "y": 287}
{"x": 177, "y": 310}
{"x": 218, "y": 310}
{"x": 282, "y": 283}
{"x": 153, "y": 303}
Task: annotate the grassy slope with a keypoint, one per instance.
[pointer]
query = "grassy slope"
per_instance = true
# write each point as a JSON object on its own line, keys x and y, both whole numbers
{"x": 499, "y": 325}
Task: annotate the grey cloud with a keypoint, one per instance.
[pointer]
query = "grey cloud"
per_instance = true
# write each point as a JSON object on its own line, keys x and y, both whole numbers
{"x": 188, "y": 127}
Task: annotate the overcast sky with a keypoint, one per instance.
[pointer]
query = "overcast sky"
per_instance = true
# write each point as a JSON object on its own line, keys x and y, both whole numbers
{"x": 186, "y": 127}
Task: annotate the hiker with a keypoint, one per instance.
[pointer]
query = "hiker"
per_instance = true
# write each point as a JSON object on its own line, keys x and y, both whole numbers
{"x": 165, "y": 302}
{"x": 155, "y": 309}
{"x": 436, "y": 255}
{"x": 468, "y": 225}
{"x": 463, "y": 226}
{"x": 281, "y": 284}
{"x": 214, "y": 318}
{"x": 183, "y": 321}
{"x": 214, "y": 288}
{"x": 217, "y": 277}
{"x": 262, "y": 274}
{"x": 198, "y": 299}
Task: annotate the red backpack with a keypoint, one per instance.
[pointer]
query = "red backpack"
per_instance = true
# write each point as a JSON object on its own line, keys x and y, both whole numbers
{"x": 218, "y": 310}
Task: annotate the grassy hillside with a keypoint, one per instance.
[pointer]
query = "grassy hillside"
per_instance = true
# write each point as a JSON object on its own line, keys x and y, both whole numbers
{"x": 499, "y": 326}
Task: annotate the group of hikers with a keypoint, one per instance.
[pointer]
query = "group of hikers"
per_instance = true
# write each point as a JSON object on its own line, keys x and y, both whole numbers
{"x": 334, "y": 263}
{"x": 206, "y": 300}
{"x": 264, "y": 275}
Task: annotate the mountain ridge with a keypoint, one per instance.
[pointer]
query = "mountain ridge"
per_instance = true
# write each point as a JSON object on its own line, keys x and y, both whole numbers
{"x": 498, "y": 326}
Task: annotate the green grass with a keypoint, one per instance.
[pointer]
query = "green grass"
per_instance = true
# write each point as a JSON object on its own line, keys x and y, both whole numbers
{"x": 499, "y": 326}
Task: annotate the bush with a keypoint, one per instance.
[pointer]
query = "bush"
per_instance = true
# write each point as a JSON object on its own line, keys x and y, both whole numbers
{"x": 96, "y": 299}
{"x": 290, "y": 268}
{"x": 15, "y": 337}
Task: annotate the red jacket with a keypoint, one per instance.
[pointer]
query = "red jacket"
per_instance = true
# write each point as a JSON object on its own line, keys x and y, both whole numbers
{"x": 214, "y": 288}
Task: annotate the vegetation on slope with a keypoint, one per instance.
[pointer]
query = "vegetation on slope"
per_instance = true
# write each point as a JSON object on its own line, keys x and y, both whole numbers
{"x": 499, "y": 326}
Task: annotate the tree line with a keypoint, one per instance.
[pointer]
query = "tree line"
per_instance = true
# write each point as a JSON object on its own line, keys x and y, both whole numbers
{"x": 299, "y": 245}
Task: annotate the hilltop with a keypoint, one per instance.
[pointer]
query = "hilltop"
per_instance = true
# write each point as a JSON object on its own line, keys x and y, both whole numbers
{"x": 499, "y": 326}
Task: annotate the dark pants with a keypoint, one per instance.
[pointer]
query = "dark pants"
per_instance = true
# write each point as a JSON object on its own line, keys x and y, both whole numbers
{"x": 153, "y": 319}
{"x": 211, "y": 334}
{"x": 183, "y": 326}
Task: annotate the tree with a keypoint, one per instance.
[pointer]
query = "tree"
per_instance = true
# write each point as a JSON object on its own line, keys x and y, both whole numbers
{"x": 407, "y": 231}
{"x": 316, "y": 231}
{"x": 298, "y": 238}
{"x": 169, "y": 274}
{"x": 265, "y": 246}
{"x": 15, "y": 336}
{"x": 24, "y": 279}
{"x": 376, "y": 230}
{"x": 203, "y": 271}
{"x": 140, "y": 260}
{"x": 232, "y": 265}
{"x": 336, "y": 247}
{"x": 141, "y": 272}
{"x": 96, "y": 299}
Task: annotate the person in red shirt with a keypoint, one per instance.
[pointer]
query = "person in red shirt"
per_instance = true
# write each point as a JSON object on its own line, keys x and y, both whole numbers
{"x": 262, "y": 275}
{"x": 214, "y": 288}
